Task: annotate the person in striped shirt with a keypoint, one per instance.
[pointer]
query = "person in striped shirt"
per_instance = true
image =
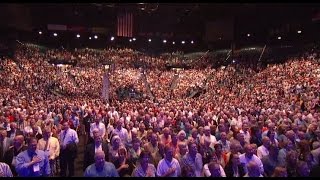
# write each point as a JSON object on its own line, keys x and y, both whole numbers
{"x": 5, "y": 170}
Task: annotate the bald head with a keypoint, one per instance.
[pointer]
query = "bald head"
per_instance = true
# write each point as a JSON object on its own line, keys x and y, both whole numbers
{"x": 99, "y": 153}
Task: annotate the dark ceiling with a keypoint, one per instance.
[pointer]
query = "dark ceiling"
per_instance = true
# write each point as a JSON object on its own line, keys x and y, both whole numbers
{"x": 104, "y": 14}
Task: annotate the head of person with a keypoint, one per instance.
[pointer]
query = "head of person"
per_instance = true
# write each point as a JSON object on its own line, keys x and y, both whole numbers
{"x": 249, "y": 150}
{"x": 183, "y": 149}
{"x": 214, "y": 169}
{"x": 266, "y": 141}
{"x": 136, "y": 144}
{"x": 95, "y": 131}
{"x": 134, "y": 133}
{"x": 187, "y": 171}
{"x": 234, "y": 147}
{"x": 144, "y": 157}
{"x": 18, "y": 141}
{"x": 193, "y": 148}
{"x": 168, "y": 151}
{"x": 253, "y": 169}
{"x": 223, "y": 136}
{"x": 97, "y": 138}
{"x": 207, "y": 131}
{"x": 47, "y": 132}
{"x": 280, "y": 172}
{"x": 245, "y": 127}
{"x": 166, "y": 132}
{"x": 240, "y": 137}
{"x": 213, "y": 158}
{"x": 3, "y": 134}
{"x": 115, "y": 141}
{"x": 154, "y": 139}
{"x": 65, "y": 126}
{"x": 235, "y": 159}
{"x": 218, "y": 148}
{"x": 98, "y": 118}
{"x": 120, "y": 123}
{"x": 13, "y": 126}
{"x": 194, "y": 133}
{"x": 32, "y": 144}
{"x": 122, "y": 153}
{"x": 182, "y": 135}
{"x": 99, "y": 158}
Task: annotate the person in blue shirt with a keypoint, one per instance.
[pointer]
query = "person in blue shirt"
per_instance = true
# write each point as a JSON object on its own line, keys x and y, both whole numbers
{"x": 32, "y": 162}
{"x": 101, "y": 168}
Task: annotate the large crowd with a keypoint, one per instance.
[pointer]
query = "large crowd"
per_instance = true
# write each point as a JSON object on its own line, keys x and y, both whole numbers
{"x": 248, "y": 122}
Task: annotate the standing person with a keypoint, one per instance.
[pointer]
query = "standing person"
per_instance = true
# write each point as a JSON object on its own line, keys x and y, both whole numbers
{"x": 234, "y": 168}
{"x": 5, "y": 170}
{"x": 98, "y": 125}
{"x": 193, "y": 159}
{"x": 50, "y": 145}
{"x": 101, "y": 168}
{"x": 5, "y": 143}
{"x": 249, "y": 156}
{"x": 144, "y": 168}
{"x": 68, "y": 143}
{"x": 92, "y": 148}
{"x": 87, "y": 120}
{"x": 14, "y": 131}
{"x": 168, "y": 166}
{"x": 12, "y": 153}
{"x": 33, "y": 162}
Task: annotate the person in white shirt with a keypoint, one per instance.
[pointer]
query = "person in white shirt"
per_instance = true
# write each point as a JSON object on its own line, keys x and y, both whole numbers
{"x": 168, "y": 166}
{"x": 263, "y": 150}
{"x": 121, "y": 132}
{"x": 207, "y": 133}
{"x": 51, "y": 146}
{"x": 99, "y": 125}
{"x": 28, "y": 130}
{"x": 68, "y": 142}
{"x": 113, "y": 113}
{"x": 248, "y": 157}
{"x": 245, "y": 131}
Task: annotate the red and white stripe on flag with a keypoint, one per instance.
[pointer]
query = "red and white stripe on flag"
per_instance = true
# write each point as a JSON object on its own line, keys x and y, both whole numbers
{"x": 125, "y": 24}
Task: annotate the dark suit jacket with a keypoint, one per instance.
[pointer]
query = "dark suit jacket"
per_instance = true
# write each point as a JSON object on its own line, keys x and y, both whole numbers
{"x": 8, "y": 157}
{"x": 229, "y": 171}
{"x": 89, "y": 153}
{"x": 18, "y": 132}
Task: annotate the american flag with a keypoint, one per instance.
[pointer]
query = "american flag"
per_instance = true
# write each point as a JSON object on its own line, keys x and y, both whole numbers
{"x": 125, "y": 24}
